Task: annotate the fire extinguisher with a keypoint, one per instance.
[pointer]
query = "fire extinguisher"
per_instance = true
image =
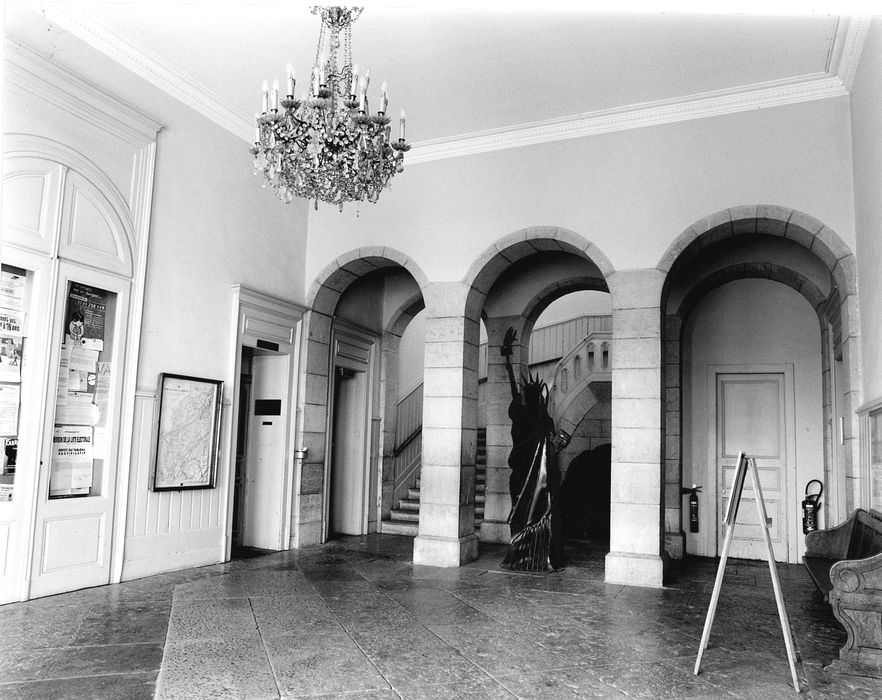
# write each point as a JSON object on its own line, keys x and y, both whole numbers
{"x": 810, "y": 507}
{"x": 693, "y": 506}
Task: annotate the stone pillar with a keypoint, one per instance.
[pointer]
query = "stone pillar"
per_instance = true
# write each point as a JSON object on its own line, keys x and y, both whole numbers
{"x": 497, "y": 504}
{"x": 636, "y": 530}
{"x": 675, "y": 537}
{"x": 310, "y": 482}
{"x": 450, "y": 413}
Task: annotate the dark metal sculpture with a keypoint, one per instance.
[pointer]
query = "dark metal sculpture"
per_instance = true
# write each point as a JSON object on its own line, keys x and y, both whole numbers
{"x": 535, "y": 476}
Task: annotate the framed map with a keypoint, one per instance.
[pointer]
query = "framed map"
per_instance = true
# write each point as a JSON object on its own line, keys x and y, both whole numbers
{"x": 188, "y": 430}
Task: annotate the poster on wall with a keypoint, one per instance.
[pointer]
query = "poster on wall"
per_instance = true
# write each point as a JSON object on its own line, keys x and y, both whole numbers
{"x": 9, "y": 399}
{"x": 187, "y": 433}
{"x": 12, "y": 289}
{"x": 10, "y": 358}
{"x": 71, "y": 473}
{"x": 84, "y": 322}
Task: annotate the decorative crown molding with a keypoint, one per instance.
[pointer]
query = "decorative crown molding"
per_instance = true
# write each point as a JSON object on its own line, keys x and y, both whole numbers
{"x": 153, "y": 69}
{"x": 852, "y": 45}
{"x": 29, "y": 72}
{"x": 836, "y": 82}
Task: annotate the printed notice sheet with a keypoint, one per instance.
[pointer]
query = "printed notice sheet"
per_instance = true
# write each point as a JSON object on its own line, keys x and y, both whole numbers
{"x": 71, "y": 461}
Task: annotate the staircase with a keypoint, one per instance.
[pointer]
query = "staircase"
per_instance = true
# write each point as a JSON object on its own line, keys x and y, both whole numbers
{"x": 405, "y": 519}
{"x": 480, "y": 477}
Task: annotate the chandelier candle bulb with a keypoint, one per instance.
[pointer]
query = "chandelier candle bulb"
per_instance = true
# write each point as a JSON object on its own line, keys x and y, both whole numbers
{"x": 275, "y": 95}
{"x": 291, "y": 81}
{"x": 265, "y": 105}
{"x": 401, "y": 127}
{"x": 384, "y": 100}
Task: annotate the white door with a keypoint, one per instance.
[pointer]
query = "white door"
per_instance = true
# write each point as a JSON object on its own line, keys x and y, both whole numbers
{"x": 752, "y": 416}
{"x": 349, "y": 453}
{"x": 76, "y": 486}
{"x": 264, "y": 481}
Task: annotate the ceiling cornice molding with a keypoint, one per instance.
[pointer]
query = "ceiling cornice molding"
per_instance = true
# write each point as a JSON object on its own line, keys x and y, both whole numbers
{"x": 631, "y": 117}
{"x": 33, "y": 74}
{"x": 853, "y": 45}
{"x": 848, "y": 43}
{"x": 153, "y": 69}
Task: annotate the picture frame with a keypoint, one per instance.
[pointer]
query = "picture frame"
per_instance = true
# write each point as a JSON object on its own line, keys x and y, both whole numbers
{"x": 187, "y": 432}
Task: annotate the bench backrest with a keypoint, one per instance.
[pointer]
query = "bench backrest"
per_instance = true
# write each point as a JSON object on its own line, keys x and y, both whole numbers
{"x": 866, "y": 536}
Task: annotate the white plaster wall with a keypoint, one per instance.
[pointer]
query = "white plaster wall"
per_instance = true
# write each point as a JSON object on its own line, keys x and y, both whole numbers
{"x": 866, "y": 119}
{"x": 631, "y": 193}
{"x": 212, "y": 226}
{"x": 411, "y": 356}
{"x": 751, "y": 321}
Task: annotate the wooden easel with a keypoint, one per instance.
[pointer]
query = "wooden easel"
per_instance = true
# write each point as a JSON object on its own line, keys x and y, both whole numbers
{"x": 766, "y": 522}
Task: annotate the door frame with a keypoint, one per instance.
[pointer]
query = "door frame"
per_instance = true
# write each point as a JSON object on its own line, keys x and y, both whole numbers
{"x": 265, "y": 322}
{"x": 711, "y": 519}
{"x": 355, "y": 348}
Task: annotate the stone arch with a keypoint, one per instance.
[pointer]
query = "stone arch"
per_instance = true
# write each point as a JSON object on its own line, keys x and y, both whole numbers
{"x": 772, "y": 221}
{"x": 834, "y": 300}
{"x": 777, "y": 273}
{"x": 322, "y": 299}
{"x": 479, "y": 281}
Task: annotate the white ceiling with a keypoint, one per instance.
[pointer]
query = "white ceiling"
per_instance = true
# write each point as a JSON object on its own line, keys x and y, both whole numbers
{"x": 472, "y": 72}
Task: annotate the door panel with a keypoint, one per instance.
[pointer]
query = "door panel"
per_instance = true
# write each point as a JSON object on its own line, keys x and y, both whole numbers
{"x": 264, "y": 481}
{"x": 72, "y": 543}
{"x": 348, "y": 458}
{"x": 751, "y": 417}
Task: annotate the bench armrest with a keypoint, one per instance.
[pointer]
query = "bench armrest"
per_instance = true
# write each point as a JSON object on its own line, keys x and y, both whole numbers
{"x": 831, "y": 543}
{"x": 858, "y": 575}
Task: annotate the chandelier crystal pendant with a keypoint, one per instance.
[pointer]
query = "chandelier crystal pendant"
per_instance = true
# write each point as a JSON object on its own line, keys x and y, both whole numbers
{"x": 326, "y": 145}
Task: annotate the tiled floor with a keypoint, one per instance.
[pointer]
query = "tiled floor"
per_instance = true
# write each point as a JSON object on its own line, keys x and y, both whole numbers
{"x": 356, "y": 619}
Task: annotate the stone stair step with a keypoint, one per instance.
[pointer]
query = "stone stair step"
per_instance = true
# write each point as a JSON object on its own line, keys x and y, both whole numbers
{"x": 405, "y": 515}
{"x": 413, "y": 494}
{"x": 409, "y": 505}
{"x": 393, "y": 527}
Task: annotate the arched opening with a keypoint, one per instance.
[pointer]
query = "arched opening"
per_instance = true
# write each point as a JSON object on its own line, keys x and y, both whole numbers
{"x": 359, "y": 307}
{"x": 756, "y": 345}
{"x": 550, "y": 271}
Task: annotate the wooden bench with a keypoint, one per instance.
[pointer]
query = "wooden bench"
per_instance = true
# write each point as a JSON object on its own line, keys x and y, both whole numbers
{"x": 845, "y": 562}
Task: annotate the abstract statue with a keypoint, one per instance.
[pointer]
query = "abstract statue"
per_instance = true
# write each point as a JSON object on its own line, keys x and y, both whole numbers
{"x": 534, "y": 484}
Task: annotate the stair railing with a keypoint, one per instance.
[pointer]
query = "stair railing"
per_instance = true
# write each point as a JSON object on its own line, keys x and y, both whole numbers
{"x": 407, "y": 454}
{"x": 590, "y": 361}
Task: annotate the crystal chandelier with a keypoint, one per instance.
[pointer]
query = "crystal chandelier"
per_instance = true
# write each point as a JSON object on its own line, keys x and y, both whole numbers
{"x": 326, "y": 145}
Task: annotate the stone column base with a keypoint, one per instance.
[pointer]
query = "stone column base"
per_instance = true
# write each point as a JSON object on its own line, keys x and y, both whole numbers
{"x": 634, "y": 569}
{"x": 443, "y": 551}
{"x": 494, "y": 531}
{"x": 675, "y": 544}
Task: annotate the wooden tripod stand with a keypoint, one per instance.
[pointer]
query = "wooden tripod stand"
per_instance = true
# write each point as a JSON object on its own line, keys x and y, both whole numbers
{"x": 731, "y": 511}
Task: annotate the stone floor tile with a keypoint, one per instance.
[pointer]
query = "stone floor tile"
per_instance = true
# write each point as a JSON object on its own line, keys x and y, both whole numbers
{"x": 75, "y": 662}
{"x": 578, "y": 682}
{"x": 483, "y": 689}
{"x": 124, "y": 623}
{"x": 321, "y": 664}
{"x": 211, "y": 619}
{"x": 27, "y": 626}
{"x": 216, "y": 668}
{"x": 212, "y": 588}
{"x": 656, "y": 679}
{"x": 295, "y": 616}
{"x": 273, "y": 583}
{"x": 126, "y": 686}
